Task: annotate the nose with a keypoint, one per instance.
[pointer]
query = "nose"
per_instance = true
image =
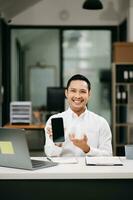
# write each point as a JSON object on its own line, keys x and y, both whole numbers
{"x": 77, "y": 95}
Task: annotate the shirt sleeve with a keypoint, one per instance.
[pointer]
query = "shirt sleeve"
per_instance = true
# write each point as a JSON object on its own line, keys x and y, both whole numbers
{"x": 105, "y": 141}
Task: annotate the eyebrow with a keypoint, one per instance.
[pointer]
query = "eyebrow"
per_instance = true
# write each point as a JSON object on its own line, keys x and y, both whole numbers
{"x": 82, "y": 89}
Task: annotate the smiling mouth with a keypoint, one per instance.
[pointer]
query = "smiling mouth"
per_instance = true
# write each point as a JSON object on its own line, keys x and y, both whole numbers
{"x": 77, "y": 102}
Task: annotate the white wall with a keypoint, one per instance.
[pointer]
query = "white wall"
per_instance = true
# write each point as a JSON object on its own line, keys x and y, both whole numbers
{"x": 44, "y": 50}
{"x": 70, "y": 12}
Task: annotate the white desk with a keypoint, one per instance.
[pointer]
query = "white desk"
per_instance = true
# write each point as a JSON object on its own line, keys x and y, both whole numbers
{"x": 69, "y": 180}
{"x": 72, "y": 171}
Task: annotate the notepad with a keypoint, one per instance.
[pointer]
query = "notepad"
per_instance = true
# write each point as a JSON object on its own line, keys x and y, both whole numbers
{"x": 103, "y": 161}
{"x": 64, "y": 160}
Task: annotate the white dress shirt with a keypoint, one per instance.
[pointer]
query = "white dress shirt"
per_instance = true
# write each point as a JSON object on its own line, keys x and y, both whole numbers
{"x": 92, "y": 125}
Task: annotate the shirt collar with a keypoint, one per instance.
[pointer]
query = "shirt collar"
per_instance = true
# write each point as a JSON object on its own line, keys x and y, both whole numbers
{"x": 75, "y": 115}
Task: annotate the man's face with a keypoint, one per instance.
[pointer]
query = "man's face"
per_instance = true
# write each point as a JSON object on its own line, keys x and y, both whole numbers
{"x": 78, "y": 95}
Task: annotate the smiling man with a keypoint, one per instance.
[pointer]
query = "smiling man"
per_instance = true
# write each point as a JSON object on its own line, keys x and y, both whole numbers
{"x": 86, "y": 133}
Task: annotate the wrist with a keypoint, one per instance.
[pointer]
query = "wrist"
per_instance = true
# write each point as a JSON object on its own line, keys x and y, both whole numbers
{"x": 87, "y": 149}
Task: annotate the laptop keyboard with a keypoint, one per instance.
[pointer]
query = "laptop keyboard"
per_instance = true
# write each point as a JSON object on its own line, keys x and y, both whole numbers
{"x": 42, "y": 164}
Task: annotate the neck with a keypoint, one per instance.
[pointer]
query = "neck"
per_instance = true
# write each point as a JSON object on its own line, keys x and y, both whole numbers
{"x": 79, "y": 112}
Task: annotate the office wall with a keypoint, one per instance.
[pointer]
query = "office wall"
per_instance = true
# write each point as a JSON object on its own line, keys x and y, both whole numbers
{"x": 14, "y": 68}
{"x": 43, "y": 51}
{"x": 130, "y": 21}
{"x": 41, "y": 60}
{"x": 70, "y": 12}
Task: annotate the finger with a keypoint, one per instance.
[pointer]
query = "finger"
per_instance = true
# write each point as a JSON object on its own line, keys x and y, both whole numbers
{"x": 71, "y": 135}
{"x": 59, "y": 144}
{"x": 49, "y": 131}
{"x": 85, "y": 138}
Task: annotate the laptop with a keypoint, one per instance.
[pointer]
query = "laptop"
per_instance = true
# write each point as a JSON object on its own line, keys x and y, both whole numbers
{"x": 14, "y": 151}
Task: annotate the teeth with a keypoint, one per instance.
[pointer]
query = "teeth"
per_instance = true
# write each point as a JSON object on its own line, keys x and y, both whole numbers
{"x": 77, "y": 102}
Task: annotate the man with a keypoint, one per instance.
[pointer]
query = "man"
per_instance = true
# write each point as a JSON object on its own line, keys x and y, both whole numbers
{"x": 86, "y": 133}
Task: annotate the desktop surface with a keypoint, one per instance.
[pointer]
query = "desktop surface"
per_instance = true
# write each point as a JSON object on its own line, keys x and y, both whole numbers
{"x": 72, "y": 181}
{"x": 77, "y": 170}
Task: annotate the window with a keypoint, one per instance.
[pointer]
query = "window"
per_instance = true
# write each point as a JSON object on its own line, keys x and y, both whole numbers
{"x": 89, "y": 52}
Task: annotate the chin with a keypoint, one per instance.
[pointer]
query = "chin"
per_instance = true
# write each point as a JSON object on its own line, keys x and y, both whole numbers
{"x": 77, "y": 109}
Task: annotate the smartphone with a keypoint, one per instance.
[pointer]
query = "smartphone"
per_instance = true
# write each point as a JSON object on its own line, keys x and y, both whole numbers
{"x": 58, "y": 129}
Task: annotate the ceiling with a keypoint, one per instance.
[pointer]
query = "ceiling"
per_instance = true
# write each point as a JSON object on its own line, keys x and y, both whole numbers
{"x": 11, "y": 8}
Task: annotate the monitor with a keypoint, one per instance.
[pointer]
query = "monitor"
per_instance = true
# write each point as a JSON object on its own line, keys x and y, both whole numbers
{"x": 55, "y": 99}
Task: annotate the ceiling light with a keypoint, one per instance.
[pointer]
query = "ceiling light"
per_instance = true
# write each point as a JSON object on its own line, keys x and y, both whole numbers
{"x": 92, "y": 5}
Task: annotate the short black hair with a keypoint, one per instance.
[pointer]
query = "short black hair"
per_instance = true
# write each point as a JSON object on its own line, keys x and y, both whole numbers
{"x": 79, "y": 77}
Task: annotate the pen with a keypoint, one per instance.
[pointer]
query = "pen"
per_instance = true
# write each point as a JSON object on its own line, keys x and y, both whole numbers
{"x": 49, "y": 159}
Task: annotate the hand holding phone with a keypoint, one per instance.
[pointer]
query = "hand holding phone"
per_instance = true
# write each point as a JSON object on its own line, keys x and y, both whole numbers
{"x": 58, "y": 129}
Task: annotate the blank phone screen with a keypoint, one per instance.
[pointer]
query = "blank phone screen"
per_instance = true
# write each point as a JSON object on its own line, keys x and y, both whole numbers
{"x": 58, "y": 129}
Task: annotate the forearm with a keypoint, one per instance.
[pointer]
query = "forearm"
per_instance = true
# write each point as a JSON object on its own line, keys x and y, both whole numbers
{"x": 51, "y": 149}
{"x": 99, "y": 152}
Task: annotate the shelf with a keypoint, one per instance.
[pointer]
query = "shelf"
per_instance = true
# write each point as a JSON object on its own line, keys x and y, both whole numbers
{"x": 25, "y": 126}
{"x": 122, "y": 83}
{"x": 122, "y": 106}
{"x": 124, "y": 124}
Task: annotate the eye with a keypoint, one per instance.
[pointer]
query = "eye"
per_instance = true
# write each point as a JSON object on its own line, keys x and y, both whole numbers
{"x": 83, "y": 91}
{"x": 72, "y": 90}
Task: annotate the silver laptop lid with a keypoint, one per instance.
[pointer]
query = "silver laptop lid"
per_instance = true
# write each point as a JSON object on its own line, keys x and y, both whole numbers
{"x": 14, "y": 150}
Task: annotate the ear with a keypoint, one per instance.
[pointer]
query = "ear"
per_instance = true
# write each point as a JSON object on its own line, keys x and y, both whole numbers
{"x": 66, "y": 93}
{"x": 89, "y": 94}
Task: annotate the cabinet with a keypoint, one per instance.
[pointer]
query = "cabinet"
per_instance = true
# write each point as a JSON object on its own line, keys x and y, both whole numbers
{"x": 123, "y": 52}
{"x": 122, "y": 106}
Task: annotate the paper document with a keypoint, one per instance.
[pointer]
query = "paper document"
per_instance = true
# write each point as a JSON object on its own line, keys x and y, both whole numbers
{"x": 103, "y": 161}
{"x": 64, "y": 160}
